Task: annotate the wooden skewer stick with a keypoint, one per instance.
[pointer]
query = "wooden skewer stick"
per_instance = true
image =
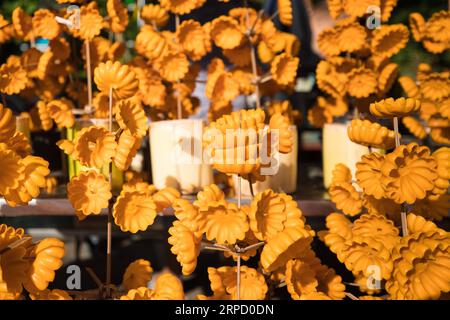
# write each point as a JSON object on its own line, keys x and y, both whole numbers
{"x": 253, "y": 57}
{"x": 250, "y": 184}
{"x": 253, "y": 246}
{"x": 403, "y": 208}
{"x": 89, "y": 77}
{"x": 351, "y": 296}
{"x": 15, "y": 244}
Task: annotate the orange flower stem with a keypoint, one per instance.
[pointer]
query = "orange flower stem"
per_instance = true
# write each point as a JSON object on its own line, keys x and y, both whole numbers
{"x": 403, "y": 211}
{"x": 89, "y": 76}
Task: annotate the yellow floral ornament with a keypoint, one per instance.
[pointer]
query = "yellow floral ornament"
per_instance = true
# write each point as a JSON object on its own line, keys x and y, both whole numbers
{"x": 89, "y": 192}
{"x": 267, "y": 214}
{"x": 47, "y": 294}
{"x": 45, "y": 24}
{"x": 47, "y": 258}
{"x": 409, "y": 171}
{"x": 20, "y": 144}
{"x": 168, "y": 287}
{"x": 409, "y": 86}
{"x": 165, "y": 197}
{"x": 341, "y": 173}
{"x": 137, "y": 274}
{"x": 142, "y": 293}
{"x": 30, "y": 183}
{"x": 358, "y": 8}
{"x": 300, "y": 279}
{"x": 362, "y": 82}
{"x": 61, "y": 112}
{"x": 226, "y": 33}
{"x": 181, "y": 6}
{"x": 346, "y": 198}
{"x": 95, "y": 146}
{"x": 134, "y": 211}
{"x": 369, "y": 133}
{"x": 118, "y": 15}
{"x": 338, "y": 223}
{"x": 127, "y": 147}
{"x": 421, "y": 269}
{"x": 154, "y": 13}
{"x": 185, "y": 245}
{"x": 174, "y": 66}
{"x": 285, "y": 138}
{"x": 285, "y": 11}
{"x": 417, "y": 26}
{"x": 252, "y": 284}
{"x": 118, "y": 77}
{"x": 369, "y": 176}
{"x": 131, "y": 116}
{"x": 225, "y": 224}
{"x": 378, "y": 227}
{"x": 283, "y": 69}
{"x": 284, "y": 246}
{"x": 12, "y": 170}
{"x": 7, "y": 123}
{"x": 389, "y": 108}
{"x": 22, "y": 24}
{"x": 91, "y": 23}
{"x": 415, "y": 127}
{"x": 435, "y": 86}
{"x": 13, "y": 79}
{"x": 388, "y": 40}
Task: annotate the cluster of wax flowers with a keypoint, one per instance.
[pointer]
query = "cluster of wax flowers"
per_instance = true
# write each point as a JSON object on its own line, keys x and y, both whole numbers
{"x": 28, "y": 265}
{"x": 411, "y": 179}
{"x": 242, "y": 143}
{"x": 135, "y": 282}
{"x": 32, "y": 266}
{"x": 410, "y": 267}
{"x": 272, "y": 228}
{"x": 44, "y": 76}
{"x": 433, "y": 90}
{"x": 431, "y": 33}
{"x": 411, "y": 174}
{"x": 357, "y": 69}
{"x": 22, "y": 176}
{"x": 167, "y": 65}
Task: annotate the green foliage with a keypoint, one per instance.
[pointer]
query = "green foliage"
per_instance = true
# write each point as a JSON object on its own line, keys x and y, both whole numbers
{"x": 414, "y": 53}
{"x": 8, "y": 6}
